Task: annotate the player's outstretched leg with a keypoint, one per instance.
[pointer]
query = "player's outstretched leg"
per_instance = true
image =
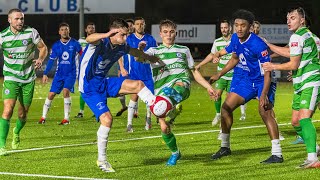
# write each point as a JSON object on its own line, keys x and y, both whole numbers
{"x": 16, "y": 133}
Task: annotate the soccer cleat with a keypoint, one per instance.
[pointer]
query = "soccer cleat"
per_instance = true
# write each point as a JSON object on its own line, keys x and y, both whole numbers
{"x": 174, "y": 113}
{"x": 309, "y": 164}
{"x": 243, "y": 117}
{"x": 223, "y": 151}
{"x": 64, "y": 122}
{"x": 299, "y": 140}
{"x": 273, "y": 159}
{"x": 173, "y": 159}
{"x": 148, "y": 123}
{"x": 42, "y": 120}
{"x": 135, "y": 115}
{"x": 129, "y": 128}
{"x": 3, "y": 152}
{"x": 216, "y": 119}
{"x": 170, "y": 92}
{"x": 119, "y": 113}
{"x": 15, "y": 140}
{"x": 105, "y": 166}
{"x": 79, "y": 115}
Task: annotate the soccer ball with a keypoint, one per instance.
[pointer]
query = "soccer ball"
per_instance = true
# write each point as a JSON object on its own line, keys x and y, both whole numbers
{"x": 161, "y": 106}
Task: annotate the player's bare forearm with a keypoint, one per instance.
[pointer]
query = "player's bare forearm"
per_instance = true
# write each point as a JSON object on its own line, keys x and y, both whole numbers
{"x": 142, "y": 57}
{"x": 266, "y": 83}
{"x": 120, "y": 61}
{"x": 206, "y": 60}
{"x": 230, "y": 65}
{"x": 199, "y": 78}
{"x": 43, "y": 50}
{"x": 293, "y": 64}
{"x": 282, "y": 51}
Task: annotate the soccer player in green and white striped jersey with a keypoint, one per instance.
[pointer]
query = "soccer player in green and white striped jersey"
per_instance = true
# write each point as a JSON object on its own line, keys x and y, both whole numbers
{"x": 225, "y": 81}
{"x": 172, "y": 78}
{"x": 18, "y": 43}
{"x": 304, "y": 61}
{"x": 90, "y": 29}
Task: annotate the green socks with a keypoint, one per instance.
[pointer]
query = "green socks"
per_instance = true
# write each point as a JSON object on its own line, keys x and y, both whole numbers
{"x": 170, "y": 140}
{"x": 4, "y": 130}
{"x": 217, "y": 104}
{"x": 298, "y": 130}
{"x": 309, "y": 134}
{"x": 19, "y": 125}
{"x": 82, "y": 103}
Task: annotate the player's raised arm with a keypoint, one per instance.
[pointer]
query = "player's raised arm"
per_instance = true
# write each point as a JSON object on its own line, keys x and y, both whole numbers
{"x": 143, "y": 57}
{"x": 95, "y": 37}
{"x": 282, "y": 51}
{"x": 230, "y": 65}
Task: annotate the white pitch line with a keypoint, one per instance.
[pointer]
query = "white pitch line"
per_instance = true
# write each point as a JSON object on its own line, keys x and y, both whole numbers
{"x": 141, "y": 138}
{"x": 49, "y": 176}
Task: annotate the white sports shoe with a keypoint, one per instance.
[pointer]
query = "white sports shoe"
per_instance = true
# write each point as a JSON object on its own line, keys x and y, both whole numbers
{"x": 243, "y": 117}
{"x": 105, "y": 166}
{"x": 216, "y": 119}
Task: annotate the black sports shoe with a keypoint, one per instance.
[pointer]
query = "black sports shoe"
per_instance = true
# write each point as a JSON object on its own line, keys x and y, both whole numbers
{"x": 223, "y": 151}
{"x": 80, "y": 115}
{"x": 273, "y": 159}
{"x": 119, "y": 113}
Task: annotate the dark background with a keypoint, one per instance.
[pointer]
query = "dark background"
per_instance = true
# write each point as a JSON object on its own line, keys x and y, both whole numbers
{"x": 180, "y": 11}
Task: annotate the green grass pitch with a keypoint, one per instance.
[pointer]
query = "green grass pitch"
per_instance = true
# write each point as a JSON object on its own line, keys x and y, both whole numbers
{"x": 143, "y": 154}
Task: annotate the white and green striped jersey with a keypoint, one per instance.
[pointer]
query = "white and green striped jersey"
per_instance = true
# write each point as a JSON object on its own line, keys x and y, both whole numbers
{"x": 83, "y": 43}
{"x": 303, "y": 43}
{"x": 18, "y": 53}
{"x": 177, "y": 61}
{"x": 217, "y": 45}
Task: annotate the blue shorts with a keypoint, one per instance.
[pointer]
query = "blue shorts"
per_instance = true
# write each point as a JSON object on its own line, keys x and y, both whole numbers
{"x": 248, "y": 90}
{"x": 59, "y": 83}
{"x": 96, "y": 96}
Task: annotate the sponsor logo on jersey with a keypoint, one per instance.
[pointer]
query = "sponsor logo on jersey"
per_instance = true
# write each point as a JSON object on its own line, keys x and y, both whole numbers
{"x": 18, "y": 55}
{"x": 303, "y": 102}
{"x": 264, "y": 53}
{"x": 7, "y": 91}
{"x": 65, "y": 56}
{"x": 25, "y": 42}
{"x": 294, "y": 44}
{"x": 100, "y": 105}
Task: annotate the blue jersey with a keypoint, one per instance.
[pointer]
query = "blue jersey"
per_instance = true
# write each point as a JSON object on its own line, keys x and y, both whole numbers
{"x": 65, "y": 54}
{"x": 97, "y": 61}
{"x": 138, "y": 70}
{"x": 252, "y": 53}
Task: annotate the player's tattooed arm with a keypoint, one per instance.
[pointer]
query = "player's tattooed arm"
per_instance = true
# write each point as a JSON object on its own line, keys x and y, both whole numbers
{"x": 143, "y": 57}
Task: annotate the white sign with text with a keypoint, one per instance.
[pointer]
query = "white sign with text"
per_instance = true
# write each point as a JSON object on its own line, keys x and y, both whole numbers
{"x": 190, "y": 33}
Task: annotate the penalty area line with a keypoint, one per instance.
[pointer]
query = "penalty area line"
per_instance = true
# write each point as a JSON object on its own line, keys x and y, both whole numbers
{"x": 141, "y": 138}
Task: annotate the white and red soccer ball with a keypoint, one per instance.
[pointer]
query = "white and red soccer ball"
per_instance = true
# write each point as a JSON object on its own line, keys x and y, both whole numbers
{"x": 161, "y": 106}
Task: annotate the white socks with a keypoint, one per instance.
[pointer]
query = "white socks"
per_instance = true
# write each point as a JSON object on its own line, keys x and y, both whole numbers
{"x": 146, "y": 96}
{"x": 132, "y": 106}
{"x": 276, "y": 147}
{"x": 243, "y": 108}
{"x": 225, "y": 140}
{"x": 67, "y": 108}
{"x": 148, "y": 112}
{"x": 46, "y": 107}
{"x": 102, "y": 137}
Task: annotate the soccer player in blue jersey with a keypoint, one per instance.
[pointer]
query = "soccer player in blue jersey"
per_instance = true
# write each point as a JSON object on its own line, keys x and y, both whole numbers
{"x": 65, "y": 52}
{"x": 251, "y": 51}
{"x": 138, "y": 70}
{"x": 124, "y": 70}
{"x": 95, "y": 86}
